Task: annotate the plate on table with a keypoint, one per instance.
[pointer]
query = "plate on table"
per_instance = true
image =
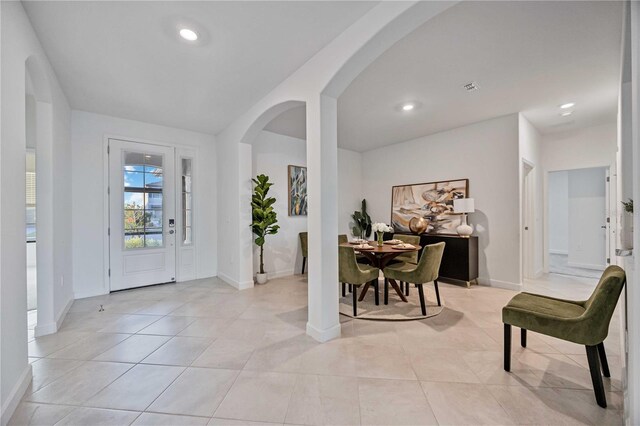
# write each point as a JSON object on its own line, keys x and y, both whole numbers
{"x": 404, "y": 247}
{"x": 394, "y": 241}
{"x": 357, "y": 241}
{"x": 367, "y": 247}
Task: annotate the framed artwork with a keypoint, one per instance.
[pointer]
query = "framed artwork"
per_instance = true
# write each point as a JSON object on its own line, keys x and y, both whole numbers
{"x": 297, "y": 191}
{"x": 427, "y": 207}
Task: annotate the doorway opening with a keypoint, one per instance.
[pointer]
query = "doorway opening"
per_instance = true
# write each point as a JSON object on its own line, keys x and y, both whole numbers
{"x": 578, "y": 222}
{"x": 142, "y": 215}
{"x": 30, "y": 219}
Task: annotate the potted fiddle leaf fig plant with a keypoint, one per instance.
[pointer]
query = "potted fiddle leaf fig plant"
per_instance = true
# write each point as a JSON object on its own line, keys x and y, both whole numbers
{"x": 264, "y": 218}
{"x": 361, "y": 222}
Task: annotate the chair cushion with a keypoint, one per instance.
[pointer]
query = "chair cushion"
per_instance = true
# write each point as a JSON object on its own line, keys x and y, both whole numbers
{"x": 401, "y": 271}
{"x": 554, "y": 317}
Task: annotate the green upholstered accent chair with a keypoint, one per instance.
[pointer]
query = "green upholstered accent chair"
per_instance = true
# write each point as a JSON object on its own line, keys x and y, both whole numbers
{"x": 355, "y": 274}
{"x": 424, "y": 272}
{"x": 304, "y": 244}
{"x": 410, "y": 257}
{"x": 583, "y": 322}
{"x": 342, "y": 238}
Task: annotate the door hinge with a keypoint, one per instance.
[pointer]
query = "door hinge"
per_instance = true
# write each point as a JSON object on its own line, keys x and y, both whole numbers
{"x": 608, "y": 220}
{"x": 108, "y": 149}
{"x": 109, "y": 231}
{"x": 108, "y": 190}
{"x": 607, "y": 178}
{"x": 109, "y": 272}
{"x": 608, "y": 260}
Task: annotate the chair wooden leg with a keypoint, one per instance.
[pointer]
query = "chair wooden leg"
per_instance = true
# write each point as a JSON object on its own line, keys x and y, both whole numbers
{"x": 355, "y": 301}
{"x": 386, "y": 291}
{"x": 596, "y": 377}
{"x": 523, "y": 337}
{"x": 603, "y": 360}
{"x": 507, "y": 347}
{"x": 376, "y": 290}
{"x": 435, "y": 285}
{"x": 304, "y": 262}
{"x": 423, "y": 305}
{"x": 344, "y": 289}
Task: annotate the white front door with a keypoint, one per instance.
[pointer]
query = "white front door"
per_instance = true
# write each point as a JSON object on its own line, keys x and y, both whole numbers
{"x": 142, "y": 226}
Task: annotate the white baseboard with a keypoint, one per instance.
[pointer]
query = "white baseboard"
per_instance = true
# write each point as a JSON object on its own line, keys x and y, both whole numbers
{"x": 240, "y": 285}
{"x": 81, "y": 295}
{"x": 552, "y": 251}
{"x": 12, "y": 401}
{"x": 53, "y": 327}
{"x": 324, "y": 335}
{"x": 500, "y": 284}
{"x": 63, "y": 314}
{"x": 586, "y": 266}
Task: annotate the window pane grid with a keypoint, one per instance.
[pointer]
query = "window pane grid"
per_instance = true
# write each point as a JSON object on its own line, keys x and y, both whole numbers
{"x": 143, "y": 186}
{"x": 187, "y": 202}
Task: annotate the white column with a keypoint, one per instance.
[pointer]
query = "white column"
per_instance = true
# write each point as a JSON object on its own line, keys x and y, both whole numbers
{"x": 322, "y": 220}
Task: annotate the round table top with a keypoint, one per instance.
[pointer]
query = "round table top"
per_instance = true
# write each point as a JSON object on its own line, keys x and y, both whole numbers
{"x": 385, "y": 248}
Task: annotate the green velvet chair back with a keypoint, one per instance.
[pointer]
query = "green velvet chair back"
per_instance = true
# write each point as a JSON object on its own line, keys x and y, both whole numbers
{"x": 342, "y": 238}
{"x": 348, "y": 269}
{"x": 600, "y": 306}
{"x": 304, "y": 243}
{"x": 429, "y": 265}
{"x": 411, "y": 257}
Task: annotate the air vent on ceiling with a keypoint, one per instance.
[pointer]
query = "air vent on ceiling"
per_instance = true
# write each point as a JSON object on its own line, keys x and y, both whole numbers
{"x": 470, "y": 87}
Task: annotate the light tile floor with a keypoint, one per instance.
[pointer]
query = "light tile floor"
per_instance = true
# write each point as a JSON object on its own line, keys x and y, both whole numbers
{"x": 201, "y": 353}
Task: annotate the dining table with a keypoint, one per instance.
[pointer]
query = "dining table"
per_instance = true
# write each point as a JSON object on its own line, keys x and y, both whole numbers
{"x": 380, "y": 256}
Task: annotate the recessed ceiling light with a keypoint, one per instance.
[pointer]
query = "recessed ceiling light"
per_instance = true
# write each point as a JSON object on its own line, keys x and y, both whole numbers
{"x": 566, "y": 114}
{"x": 188, "y": 34}
{"x": 567, "y": 105}
{"x": 408, "y": 107}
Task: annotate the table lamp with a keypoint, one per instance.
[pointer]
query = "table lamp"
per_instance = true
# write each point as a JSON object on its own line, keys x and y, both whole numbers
{"x": 464, "y": 206}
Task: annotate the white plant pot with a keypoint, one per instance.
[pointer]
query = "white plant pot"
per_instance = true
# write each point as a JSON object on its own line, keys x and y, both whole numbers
{"x": 626, "y": 231}
{"x": 261, "y": 278}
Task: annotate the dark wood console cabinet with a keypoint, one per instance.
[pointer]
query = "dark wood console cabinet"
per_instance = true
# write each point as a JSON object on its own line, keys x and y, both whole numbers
{"x": 460, "y": 257}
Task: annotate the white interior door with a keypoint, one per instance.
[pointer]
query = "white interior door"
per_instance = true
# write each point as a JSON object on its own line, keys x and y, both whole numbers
{"x": 142, "y": 226}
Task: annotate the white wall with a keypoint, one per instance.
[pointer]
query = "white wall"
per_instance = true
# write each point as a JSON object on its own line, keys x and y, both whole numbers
{"x": 578, "y": 149}
{"x": 488, "y": 154}
{"x": 272, "y": 153}
{"x": 88, "y": 204}
{"x": 350, "y": 188}
{"x": 18, "y": 43}
{"x": 530, "y": 144}
{"x": 587, "y": 214}
{"x": 559, "y": 212}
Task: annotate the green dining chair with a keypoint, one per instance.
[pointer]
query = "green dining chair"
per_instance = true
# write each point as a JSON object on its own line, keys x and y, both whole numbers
{"x": 409, "y": 257}
{"x": 355, "y": 274}
{"x": 304, "y": 245}
{"x": 583, "y": 322}
{"x": 424, "y": 272}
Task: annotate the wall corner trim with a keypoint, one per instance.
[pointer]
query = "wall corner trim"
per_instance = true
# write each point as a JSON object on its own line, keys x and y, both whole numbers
{"x": 240, "y": 285}
{"x": 15, "y": 395}
{"x": 323, "y": 336}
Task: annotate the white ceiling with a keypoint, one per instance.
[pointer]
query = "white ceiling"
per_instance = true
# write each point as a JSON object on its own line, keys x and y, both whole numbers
{"x": 525, "y": 56}
{"x": 124, "y": 58}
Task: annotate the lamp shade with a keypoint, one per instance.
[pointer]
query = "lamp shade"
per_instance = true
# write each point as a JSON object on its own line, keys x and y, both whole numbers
{"x": 463, "y": 205}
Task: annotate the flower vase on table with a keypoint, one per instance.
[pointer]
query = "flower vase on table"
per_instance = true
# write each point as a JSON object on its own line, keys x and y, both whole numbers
{"x": 380, "y": 229}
